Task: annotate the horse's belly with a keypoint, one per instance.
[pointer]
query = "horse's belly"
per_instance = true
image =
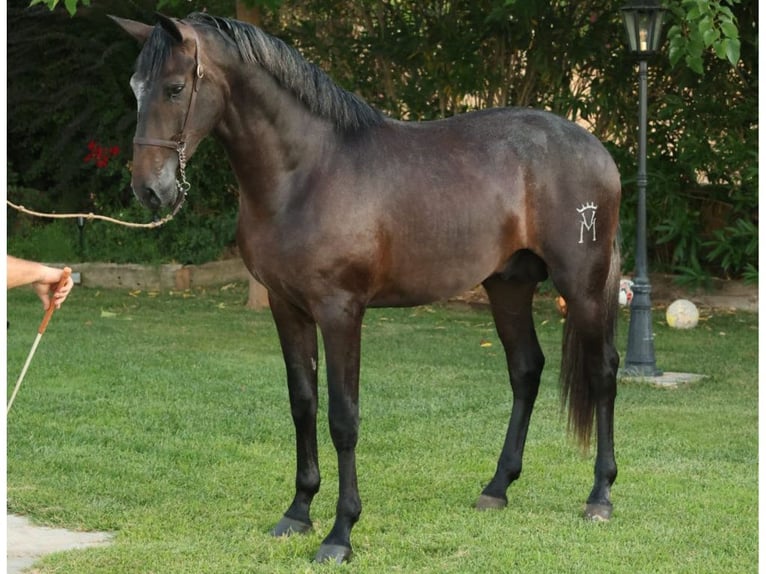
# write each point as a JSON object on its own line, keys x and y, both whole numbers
{"x": 427, "y": 282}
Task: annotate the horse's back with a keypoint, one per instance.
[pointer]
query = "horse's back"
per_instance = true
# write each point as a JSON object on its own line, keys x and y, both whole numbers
{"x": 523, "y": 130}
{"x": 507, "y": 178}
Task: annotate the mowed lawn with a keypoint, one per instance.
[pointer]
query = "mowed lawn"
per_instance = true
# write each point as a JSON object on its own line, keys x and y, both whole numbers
{"x": 164, "y": 418}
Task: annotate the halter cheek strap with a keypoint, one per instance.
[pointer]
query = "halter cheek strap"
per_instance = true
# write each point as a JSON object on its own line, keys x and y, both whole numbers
{"x": 178, "y": 144}
{"x": 181, "y": 137}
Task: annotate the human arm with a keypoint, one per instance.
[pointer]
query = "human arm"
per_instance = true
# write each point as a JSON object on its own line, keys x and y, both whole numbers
{"x": 43, "y": 278}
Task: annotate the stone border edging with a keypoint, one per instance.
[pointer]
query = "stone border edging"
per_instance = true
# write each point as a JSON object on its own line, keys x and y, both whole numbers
{"x": 172, "y": 276}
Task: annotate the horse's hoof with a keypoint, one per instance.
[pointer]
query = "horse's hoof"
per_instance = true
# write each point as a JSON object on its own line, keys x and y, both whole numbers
{"x": 333, "y": 553}
{"x": 288, "y": 526}
{"x": 486, "y": 502}
{"x": 598, "y": 512}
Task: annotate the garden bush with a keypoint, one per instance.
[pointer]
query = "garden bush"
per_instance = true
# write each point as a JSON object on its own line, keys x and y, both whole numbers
{"x": 72, "y": 115}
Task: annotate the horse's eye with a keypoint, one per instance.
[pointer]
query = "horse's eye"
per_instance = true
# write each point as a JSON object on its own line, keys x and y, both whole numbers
{"x": 175, "y": 90}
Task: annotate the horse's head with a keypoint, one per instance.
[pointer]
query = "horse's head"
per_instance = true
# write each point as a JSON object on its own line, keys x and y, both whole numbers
{"x": 176, "y": 109}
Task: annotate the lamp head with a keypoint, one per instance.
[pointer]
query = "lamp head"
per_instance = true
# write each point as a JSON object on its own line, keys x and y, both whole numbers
{"x": 643, "y": 23}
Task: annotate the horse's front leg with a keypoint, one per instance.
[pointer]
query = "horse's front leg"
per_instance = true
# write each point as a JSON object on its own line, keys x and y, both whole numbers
{"x": 298, "y": 337}
{"x": 341, "y": 326}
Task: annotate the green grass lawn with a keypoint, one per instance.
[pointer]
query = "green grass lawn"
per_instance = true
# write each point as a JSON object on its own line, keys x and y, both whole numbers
{"x": 165, "y": 418}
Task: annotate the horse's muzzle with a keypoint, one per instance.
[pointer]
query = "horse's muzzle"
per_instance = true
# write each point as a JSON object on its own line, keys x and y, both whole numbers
{"x": 148, "y": 197}
{"x": 155, "y": 188}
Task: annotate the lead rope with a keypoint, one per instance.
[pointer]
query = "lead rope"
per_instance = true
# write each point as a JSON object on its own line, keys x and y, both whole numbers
{"x": 181, "y": 183}
{"x": 90, "y": 217}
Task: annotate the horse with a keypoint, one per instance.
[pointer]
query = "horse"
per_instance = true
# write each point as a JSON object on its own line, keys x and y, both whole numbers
{"x": 342, "y": 208}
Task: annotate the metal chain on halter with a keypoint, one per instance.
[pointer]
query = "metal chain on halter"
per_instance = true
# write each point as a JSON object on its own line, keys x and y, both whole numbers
{"x": 183, "y": 185}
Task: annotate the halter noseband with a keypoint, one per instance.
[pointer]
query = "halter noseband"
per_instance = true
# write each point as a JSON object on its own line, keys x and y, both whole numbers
{"x": 179, "y": 143}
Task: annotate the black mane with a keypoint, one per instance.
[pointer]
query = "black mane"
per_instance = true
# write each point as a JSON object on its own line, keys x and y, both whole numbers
{"x": 310, "y": 84}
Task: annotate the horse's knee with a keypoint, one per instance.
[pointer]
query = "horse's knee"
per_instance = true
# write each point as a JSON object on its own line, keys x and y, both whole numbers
{"x": 303, "y": 405}
{"x": 344, "y": 429}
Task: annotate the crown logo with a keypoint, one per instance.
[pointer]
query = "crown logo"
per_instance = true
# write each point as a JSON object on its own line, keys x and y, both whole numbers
{"x": 586, "y": 206}
{"x": 587, "y": 213}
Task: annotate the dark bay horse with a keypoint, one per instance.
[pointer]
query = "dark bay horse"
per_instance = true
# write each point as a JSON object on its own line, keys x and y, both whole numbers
{"x": 342, "y": 208}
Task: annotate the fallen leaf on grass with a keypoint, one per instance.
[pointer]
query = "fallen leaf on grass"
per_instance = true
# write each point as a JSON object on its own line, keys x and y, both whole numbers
{"x": 110, "y": 315}
{"x": 484, "y": 343}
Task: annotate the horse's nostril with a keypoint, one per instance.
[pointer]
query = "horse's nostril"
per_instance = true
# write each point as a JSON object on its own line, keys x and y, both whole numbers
{"x": 148, "y": 197}
{"x": 152, "y": 197}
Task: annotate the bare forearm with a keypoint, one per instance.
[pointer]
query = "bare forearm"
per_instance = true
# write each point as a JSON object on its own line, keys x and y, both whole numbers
{"x": 47, "y": 281}
{"x": 23, "y": 272}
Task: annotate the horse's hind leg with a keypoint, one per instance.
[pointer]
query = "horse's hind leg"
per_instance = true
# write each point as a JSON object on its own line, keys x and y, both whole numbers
{"x": 298, "y": 337}
{"x": 594, "y": 396}
{"x": 511, "y": 303}
{"x": 589, "y": 370}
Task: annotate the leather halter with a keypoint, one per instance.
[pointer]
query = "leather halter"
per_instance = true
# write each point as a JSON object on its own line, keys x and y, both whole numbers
{"x": 178, "y": 144}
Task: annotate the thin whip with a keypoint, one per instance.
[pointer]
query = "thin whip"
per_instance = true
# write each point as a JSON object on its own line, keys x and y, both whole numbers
{"x": 40, "y": 330}
{"x": 91, "y": 216}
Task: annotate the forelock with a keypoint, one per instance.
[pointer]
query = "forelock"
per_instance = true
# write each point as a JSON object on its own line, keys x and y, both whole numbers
{"x": 155, "y": 52}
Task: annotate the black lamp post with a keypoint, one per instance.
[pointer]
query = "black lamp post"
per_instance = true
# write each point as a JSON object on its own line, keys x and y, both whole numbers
{"x": 643, "y": 22}
{"x": 81, "y": 227}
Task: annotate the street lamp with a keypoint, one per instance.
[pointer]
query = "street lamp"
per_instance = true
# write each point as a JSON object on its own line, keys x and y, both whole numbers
{"x": 643, "y": 23}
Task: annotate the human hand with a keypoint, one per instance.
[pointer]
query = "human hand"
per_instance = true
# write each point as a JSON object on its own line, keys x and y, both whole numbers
{"x": 48, "y": 288}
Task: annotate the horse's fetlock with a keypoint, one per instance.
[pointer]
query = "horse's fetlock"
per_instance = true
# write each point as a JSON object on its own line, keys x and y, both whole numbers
{"x": 308, "y": 481}
{"x": 351, "y": 508}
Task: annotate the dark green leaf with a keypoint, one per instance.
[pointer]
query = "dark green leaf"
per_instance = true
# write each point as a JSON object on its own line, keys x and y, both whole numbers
{"x": 732, "y": 51}
{"x": 720, "y": 49}
{"x": 710, "y": 36}
{"x": 693, "y": 15}
{"x": 694, "y": 61}
{"x": 705, "y": 24}
{"x": 675, "y": 54}
{"x": 729, "y": 29}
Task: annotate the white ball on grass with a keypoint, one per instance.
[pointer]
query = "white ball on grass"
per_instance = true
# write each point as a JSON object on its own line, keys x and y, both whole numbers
{"x": 682, "y": 314}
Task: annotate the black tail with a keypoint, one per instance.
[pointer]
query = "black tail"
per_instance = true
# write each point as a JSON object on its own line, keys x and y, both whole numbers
{"x": 575, "y": 378}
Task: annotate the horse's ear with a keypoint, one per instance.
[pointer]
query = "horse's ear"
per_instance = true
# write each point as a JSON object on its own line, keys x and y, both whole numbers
{"x": 170, "y": 26}
{"x": 138, "y": 30}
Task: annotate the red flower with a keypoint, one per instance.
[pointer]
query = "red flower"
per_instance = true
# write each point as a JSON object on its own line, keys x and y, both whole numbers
{"x": 100, "y": 155}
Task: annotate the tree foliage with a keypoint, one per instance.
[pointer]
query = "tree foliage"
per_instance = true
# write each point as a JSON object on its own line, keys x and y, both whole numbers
{"x": 423, "y": 60}
{"x": 700, "y": 26}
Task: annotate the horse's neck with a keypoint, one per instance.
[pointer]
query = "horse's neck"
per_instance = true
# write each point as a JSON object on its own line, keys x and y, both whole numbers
{"x": 269, "y": 134}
